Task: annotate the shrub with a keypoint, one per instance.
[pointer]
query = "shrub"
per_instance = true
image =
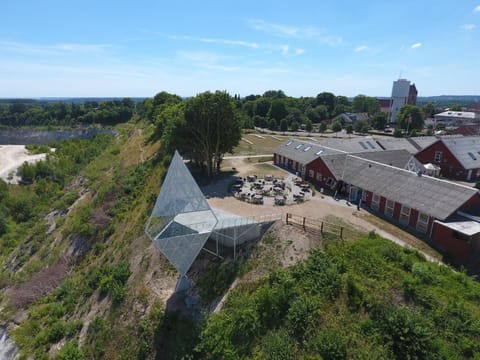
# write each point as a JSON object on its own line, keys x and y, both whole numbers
{"x": 301, "y": 313}
{"x": 70, "y": 351}
{"x": 277, "y": 345}
{"x": 329, "y": 344}
{"x": 354, "y": 294}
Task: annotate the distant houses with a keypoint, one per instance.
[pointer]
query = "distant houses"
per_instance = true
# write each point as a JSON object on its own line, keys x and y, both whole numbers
{"x": 389, "y": 176}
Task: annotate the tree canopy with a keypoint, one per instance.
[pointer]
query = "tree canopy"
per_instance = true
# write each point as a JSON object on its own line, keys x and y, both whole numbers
{"x": 204, "y": 129}
{"x": 410, "y": 117}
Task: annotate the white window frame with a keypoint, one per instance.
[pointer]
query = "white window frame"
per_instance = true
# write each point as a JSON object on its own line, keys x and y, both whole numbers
{"x": 364, "y": 195}
{"x": 422, "y": 226}
{"x": 311, "y": 173}
{"x": 389, "y": 209}
{"x": 405, "y": 215}
{"x": 319, "y": 176}
{"x": 438, "y": 156}
{"x": 375, "y": 202}
{"x": 331, "y": 182}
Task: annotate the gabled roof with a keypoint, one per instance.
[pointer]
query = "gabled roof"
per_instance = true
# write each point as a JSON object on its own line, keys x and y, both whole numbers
{"x": 354, "y": 145}
{"x": 302, "y": 151}
{"x": 466, "y": 150}
{"x": 412, "y": 145}
{"x": 436, "y": 197}
{"x": 395, "y": 158}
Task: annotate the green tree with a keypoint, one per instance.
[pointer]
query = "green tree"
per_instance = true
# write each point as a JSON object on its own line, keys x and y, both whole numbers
{"x": 274, "y": 94}
{"x": 361, "y": 126}
{"x": 322, "y": 127}
{"x": 429, "y": 110}
{"x": 262, "y": 105}
{"x": 362, "y": 103}
{"x": 336, "y": 126}
{"x": 308, "y": 125}
{"x": 410, "y": 117}
{"x": 278, "y": 110}
{"x": 283, "y": 125}
{"x": 327, "y": 99}
{"x": 455, "y": 107}
{"x": 294, "y": 126}
{"x": 207, "y": 131}
{"x": 349, "y": 129}
{"x": 379, "y": 121}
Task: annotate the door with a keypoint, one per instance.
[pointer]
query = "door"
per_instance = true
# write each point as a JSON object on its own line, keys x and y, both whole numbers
{"x": 353, "y": 193}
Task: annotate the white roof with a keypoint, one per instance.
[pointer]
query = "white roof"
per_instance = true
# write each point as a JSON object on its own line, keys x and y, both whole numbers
{"x": 457, "y": 114}
{"x": 467, "y": 227}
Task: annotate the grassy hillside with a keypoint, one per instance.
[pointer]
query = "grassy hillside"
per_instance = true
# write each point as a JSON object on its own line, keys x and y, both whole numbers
{"x": 80, "y": 280}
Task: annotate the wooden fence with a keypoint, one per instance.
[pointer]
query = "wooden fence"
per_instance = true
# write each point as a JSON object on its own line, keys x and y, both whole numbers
{"x": 318, "y": 226}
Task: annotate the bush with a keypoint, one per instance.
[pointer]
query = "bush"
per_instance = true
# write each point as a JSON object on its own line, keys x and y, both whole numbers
{"x": 70, "y": 351}
{"x": 277, "y": 345}
{"x": 329, "y": 344}
{"x": 301, "y": 313}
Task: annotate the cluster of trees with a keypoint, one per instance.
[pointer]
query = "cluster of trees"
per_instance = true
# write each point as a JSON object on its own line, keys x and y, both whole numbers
{"x": 19, "y": 113}
{"x": 202, "y": 128}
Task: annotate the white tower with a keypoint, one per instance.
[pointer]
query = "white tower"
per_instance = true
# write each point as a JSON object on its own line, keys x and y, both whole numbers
{"x": 400, "y": 91}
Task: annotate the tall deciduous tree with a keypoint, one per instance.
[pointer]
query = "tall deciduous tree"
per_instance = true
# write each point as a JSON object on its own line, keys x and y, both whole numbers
{"x": 208, "y": 129}
{"x": 410, "y": 117}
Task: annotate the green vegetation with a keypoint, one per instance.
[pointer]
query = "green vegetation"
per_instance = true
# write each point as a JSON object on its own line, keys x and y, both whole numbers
{"x": 364, "y": 299}
{"x": 36, "y": 113}
{"x": 84, "y": 282}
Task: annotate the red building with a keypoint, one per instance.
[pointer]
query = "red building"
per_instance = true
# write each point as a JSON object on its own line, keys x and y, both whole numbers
{"x": 443, "y": 212}
{"x": 458, "y": 157}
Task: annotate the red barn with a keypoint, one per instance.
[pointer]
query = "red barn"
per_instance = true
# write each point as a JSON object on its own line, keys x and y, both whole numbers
{"x": 458, "y": 157}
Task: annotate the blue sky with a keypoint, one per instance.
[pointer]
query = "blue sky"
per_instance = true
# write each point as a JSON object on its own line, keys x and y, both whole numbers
{"x": 126, "y": 48}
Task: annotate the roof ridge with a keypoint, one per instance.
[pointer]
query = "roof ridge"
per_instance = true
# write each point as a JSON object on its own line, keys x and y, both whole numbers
{"x": 410, "y": 172}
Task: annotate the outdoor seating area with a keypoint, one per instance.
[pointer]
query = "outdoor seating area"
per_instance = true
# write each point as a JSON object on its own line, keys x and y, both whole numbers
{"x": 270, "y": 190}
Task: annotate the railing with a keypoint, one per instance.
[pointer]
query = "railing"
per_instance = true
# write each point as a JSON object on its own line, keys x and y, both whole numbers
{"x": 317, "y": 226}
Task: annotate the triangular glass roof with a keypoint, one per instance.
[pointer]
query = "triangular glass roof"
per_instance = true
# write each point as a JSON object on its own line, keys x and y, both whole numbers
{"x": 181, "y": 221}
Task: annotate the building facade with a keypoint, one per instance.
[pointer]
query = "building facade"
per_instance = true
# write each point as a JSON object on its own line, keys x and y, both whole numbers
{"x": 403, "y": 93}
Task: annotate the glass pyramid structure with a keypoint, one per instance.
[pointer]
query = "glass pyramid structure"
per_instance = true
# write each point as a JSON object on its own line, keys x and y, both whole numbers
{"x": 182, "y": 220}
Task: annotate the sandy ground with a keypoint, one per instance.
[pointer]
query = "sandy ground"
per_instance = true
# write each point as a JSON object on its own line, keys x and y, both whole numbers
{"x": 319, "y": 207}
{"x": 12, "y": 157}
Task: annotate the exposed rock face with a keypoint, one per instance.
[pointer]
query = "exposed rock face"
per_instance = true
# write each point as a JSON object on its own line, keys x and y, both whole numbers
{"x": 8, "y": 350}
{"x": 39, "y": 137}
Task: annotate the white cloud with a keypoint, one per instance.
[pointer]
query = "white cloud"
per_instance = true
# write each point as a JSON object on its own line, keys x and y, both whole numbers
{"x": 299, "y": 51}
{"x": 416, "y": 45}
{"x": 477, "y": 9}
{"x": 26, "y": 48}
{"x": 285, "y": 49}
{"x": 218, "y": 41}
{"x": 468, "y": 26}
{"x": 294, "y": 32}
{"x": 360, "y": 48}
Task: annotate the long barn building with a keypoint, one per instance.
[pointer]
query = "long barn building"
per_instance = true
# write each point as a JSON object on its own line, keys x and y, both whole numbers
{"x": 392, "y": 184}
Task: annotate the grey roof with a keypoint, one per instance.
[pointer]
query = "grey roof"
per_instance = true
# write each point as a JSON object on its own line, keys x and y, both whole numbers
{"x": 457, "y": 114}
{"x": 354, "y": 145}
{"x": 395, "y": 158}
{"x": 438, "y": 198}
{"x": 466, "y": 149}
{"x": 412, "y": 145}
{"x": 302, "y": 151}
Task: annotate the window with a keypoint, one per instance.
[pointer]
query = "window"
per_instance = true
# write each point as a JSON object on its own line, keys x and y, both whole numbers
{"x": 362, "y": 144}
{"x": 370, "y": 144}
{"x": 375, "y": 201}
{"x": 289, "y": 143}
{"x": 307, "y": 148}
{"x": 389, "y": 208}
{"x": 298, "y": 146}
{"x": 404, "y": 215}
{"x": 311, "y": 173}
{"x": 330, "y": 182}
{"x": 472, "y": 156}
{"x": 319, "y": 176}
{"x": 422, "y": 222}
{"x": 438, "y": 156}
{"x": 318, "y": 152}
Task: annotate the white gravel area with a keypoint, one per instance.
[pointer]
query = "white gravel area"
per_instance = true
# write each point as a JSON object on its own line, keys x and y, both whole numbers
{"x": 11, "y": 158}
